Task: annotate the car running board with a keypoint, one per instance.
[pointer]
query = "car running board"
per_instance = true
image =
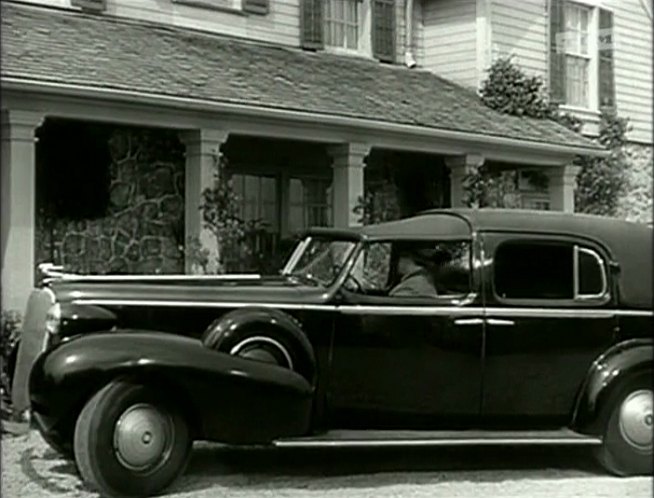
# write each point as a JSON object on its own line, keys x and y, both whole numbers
{"x": 368, "y": 439}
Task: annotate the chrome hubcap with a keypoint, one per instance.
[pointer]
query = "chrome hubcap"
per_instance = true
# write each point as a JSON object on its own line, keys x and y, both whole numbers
{"x": 636, "y": 419}
{"x": 143, "y": 437}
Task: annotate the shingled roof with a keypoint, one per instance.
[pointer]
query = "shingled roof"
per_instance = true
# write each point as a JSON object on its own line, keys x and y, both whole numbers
{"x": 56, "y": 46}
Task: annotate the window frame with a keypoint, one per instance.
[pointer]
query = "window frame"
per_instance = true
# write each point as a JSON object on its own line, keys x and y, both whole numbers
{"x": 460, "y": 299}
{"x": 592, "y": 104}
{"x": 577, "y": 299}
{"x": 364, "y": 31}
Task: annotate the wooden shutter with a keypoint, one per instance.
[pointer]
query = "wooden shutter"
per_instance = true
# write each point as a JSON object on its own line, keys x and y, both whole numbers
{"x": 311, "y": 24}
{"x": 606, "y": 73}
{"x": 383, "y": 30}
{"x": 89, "y": 5}
{"x": 557, "y": 52}
{"x": 256, "y": 6}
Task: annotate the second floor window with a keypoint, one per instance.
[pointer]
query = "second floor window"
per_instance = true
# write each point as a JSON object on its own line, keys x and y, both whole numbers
{"x": 342, "y": 24}
{"x": 581, "y": 55}
{"x": 364, "y": 27}
{"x": 577, "y": 54}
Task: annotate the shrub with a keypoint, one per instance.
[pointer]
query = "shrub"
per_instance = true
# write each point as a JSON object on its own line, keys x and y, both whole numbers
{"x": 379, "y": 204}
{"x": 600, "y": 181}
{"x": 10, "y": 323}
{"x": 235, "y": 237}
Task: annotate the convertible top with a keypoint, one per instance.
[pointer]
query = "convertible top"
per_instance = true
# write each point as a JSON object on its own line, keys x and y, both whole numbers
{"x": 628, "y": 244}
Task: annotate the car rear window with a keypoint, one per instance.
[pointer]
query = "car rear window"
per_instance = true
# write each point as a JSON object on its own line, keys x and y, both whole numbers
{"x": 545, "y": 270}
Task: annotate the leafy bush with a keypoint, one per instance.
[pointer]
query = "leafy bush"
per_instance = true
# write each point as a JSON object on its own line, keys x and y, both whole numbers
{"x": 10, "y": 325}
{"x": 601, "y": 180}
{"x": 510, "y": 91}
{"x": 379, "y": 204}
{"x": 236, "y": 238}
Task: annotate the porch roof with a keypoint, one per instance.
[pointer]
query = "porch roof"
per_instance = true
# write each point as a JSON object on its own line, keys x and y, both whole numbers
{"x": 58, "y": 47}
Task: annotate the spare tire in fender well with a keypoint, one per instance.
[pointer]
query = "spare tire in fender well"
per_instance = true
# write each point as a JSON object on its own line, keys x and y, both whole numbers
{"x": 224, "y": 333}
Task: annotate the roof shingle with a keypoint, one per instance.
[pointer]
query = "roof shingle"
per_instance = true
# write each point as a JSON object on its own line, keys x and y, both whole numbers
{"x": 99, "y": 51}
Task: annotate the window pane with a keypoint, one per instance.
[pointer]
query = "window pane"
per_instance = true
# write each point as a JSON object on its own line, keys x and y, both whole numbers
{"x": 577, "y": 81}
{"x": 341, "y": 23}
{"x": 590, "y": 274}
{"x": 531, "y": 270}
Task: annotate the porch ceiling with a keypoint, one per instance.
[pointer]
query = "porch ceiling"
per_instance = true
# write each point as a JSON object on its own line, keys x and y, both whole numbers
{"x": 115, "y": 56}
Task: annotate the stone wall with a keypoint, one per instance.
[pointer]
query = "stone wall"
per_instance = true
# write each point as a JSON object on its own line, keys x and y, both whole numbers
{"x": 636, "y": 203}
{"x": 142, "y": 230}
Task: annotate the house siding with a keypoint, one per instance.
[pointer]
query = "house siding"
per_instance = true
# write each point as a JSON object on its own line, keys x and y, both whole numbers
{"x": 521, "y": 29}
{"x": 281, "y": 25}
{"x": 633, "y": 66}
{"x": 449, "y": 40}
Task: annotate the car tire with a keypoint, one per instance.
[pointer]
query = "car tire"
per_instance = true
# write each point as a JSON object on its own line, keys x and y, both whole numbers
{"x": 130, "y": 441}
{"x": 627, "y": 445}
{"x": 266, "y": 344}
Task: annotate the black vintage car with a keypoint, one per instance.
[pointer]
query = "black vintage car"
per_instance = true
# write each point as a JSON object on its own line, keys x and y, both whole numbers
{"x": 453, "y": 327}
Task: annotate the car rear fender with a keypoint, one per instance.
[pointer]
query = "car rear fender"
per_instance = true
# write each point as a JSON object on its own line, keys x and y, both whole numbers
{"x": 622, "y": 361}
{"x": 228, "y": 329}
{"x": 232, "y": 399}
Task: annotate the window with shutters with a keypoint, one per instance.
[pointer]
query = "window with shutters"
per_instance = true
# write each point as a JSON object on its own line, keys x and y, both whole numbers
{"x": 362, "y": 27}
{"x": 577, "y": 54}
{"x": 581, "y": 59}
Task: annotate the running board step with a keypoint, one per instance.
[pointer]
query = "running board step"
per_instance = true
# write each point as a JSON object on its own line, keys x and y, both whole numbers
{"x": 368, "y": 439}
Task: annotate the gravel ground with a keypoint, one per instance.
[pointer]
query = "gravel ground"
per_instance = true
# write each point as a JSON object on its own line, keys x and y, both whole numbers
{"x": 31, "y": 469}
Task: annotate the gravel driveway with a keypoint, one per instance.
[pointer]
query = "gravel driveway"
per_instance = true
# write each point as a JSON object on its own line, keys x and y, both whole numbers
{"x": 31, "y": 469}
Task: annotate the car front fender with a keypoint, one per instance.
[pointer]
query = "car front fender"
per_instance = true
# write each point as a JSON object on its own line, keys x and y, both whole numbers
{"x": 226, "y": 398}
{"x": 624, "y": 360}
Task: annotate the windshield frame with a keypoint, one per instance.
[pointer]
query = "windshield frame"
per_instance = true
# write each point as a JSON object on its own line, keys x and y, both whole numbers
{"x": 306, "y": 241}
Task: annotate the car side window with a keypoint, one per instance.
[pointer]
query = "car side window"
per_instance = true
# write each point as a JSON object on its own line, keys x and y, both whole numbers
{"x": 406, "y": 268}
{"x": 548, "y": 270}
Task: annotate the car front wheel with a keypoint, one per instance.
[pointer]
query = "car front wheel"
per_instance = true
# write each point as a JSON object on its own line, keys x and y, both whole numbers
{"x": 627, "y": 446}
{"x": 129, "y": 441}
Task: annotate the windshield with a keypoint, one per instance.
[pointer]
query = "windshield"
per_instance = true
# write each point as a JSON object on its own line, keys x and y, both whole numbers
{"x": 319, "y": 260}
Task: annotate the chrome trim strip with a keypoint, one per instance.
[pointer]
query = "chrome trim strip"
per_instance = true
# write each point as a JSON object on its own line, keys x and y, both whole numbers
{"x": 410, "y": 310}
{"x": 129, "y": 278}
{"x": 200, "y": 304}
{"x": 381, "y": 309}
{"x": 379, "y": 443}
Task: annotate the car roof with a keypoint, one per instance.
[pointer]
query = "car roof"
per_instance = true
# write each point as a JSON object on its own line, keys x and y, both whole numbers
{"x": 629, "y": 244}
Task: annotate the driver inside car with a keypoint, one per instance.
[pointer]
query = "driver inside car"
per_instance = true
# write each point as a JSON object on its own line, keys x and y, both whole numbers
{"x": 416, "y": 279}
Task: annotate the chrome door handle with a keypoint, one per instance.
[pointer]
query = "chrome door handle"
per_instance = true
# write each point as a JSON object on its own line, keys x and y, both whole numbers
{"x": 468, "y": 321}
{"x": 497, "y": 321}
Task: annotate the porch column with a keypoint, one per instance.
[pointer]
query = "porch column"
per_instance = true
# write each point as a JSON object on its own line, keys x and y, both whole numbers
{"x": 562, "y": 184}
{"x": 460, "y": 167}
{"x": 202, "y": 152}
{"x": 347, "y": 186}
{"x": 18, "y": 205}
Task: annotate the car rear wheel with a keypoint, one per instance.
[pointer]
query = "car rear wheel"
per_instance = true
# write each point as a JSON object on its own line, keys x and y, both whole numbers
{"x": 130, "y": 441}
{"x": 627, "y": 446}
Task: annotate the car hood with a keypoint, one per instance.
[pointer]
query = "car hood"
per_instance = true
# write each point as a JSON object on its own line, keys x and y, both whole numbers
{"x": 187, "y": 289}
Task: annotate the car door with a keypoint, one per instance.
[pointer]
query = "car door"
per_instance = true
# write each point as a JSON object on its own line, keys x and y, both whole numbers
{"x": 548, "y": 316}
{"x": 408, "y": 362}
